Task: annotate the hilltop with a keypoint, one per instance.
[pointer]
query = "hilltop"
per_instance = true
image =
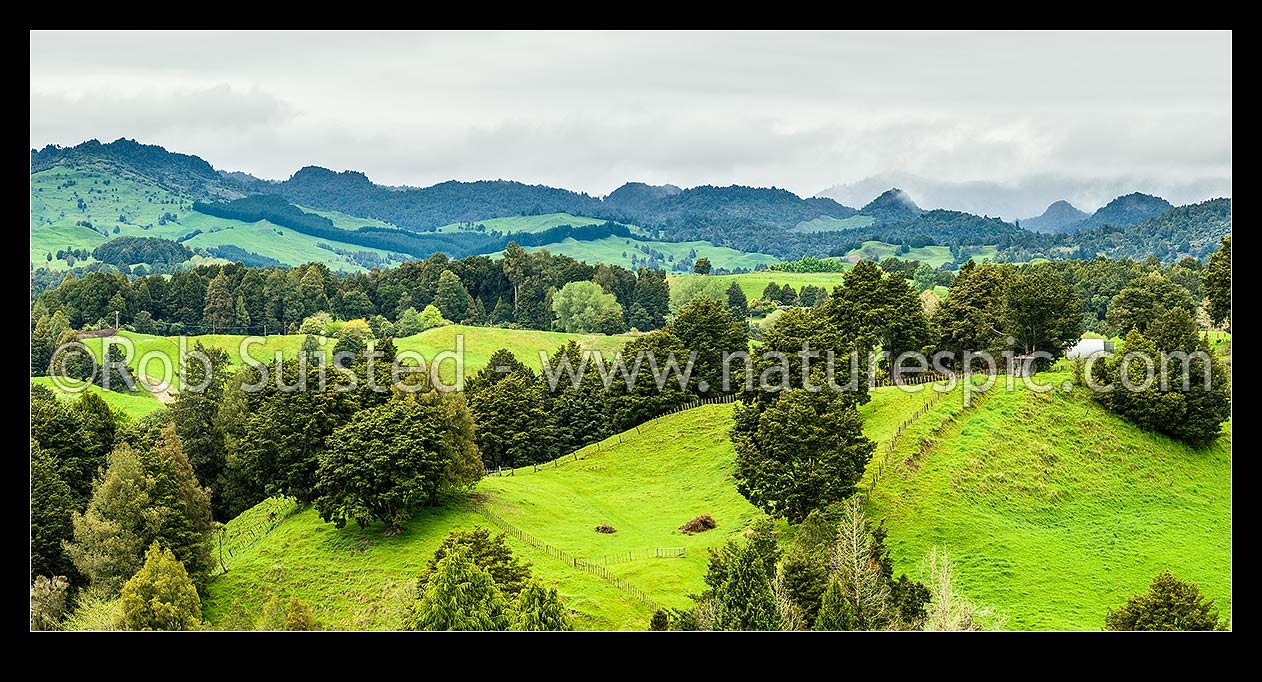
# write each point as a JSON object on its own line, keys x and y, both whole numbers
{"x": 892, "y": 206}
{"x": 1127, "y": 210}
{"x": 1060, "y": 216}
{"x": 1054, "y": 509}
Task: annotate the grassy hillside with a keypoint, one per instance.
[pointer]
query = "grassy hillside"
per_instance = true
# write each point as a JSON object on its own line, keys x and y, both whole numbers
{"x": 359, "y": 579}
{"x": 135, "y": 405}
{"x": 831, "y": 224}
{"x": 753, "y": 283}
{"x": 525, "y": 223}
{"x": 1054, "y": 509}
{"x": 55, "y": 212}
{"x": 479, "y": 344}
{"x": 645, "y": 483}
{"x": 348, "y": 222}
{"x": 618, "y": 251}
{"x": 935, "y": 256}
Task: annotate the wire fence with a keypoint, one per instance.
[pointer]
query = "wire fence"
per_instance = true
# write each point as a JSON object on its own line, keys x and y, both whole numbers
{"x": 236, "y": 537}
{"x": 578, "y": 562}
{"x": 892, "y": 445}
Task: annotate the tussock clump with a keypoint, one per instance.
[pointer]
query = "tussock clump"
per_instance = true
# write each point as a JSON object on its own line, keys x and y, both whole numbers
{"x": 605, "y": 528}
{"x": 699, "y": 525}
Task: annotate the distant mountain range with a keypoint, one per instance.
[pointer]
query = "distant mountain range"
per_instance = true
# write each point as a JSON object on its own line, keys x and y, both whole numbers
{"x": 745, "y": 218}
{"x": 1123, "y": 211}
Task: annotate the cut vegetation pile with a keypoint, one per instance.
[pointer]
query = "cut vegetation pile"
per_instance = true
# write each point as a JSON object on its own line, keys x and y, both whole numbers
{"x": 699, "y": 524}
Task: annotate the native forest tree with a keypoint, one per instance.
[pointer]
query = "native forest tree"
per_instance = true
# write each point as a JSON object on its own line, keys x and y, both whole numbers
{"x": 1169, "y": 604}
{"x": 1216, "y": 283}
{"x": 584, "y": 307}
{"x": 161, "y": 596}
{"x": 390, "y": 459}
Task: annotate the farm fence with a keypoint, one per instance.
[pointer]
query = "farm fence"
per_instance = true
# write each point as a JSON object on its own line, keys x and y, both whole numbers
{"x": 892, "y": 444}
{"x": 235, "y": 538}
{"x": 574, "y": 561}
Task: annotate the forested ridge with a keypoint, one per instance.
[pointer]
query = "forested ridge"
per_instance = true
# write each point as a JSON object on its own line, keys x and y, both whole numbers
{"x": 744, "y": 218}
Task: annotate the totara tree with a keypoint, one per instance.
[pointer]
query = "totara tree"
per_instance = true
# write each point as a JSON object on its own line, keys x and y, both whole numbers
{"x": 52, "y": 505}
{"x": 1169, "y": 604}
{"x": 1216, "y": 283}
{"x": 161, "y": 596}
{"x": 701, "y": 266}
{"x": 737, "y": 303}
{"x": 653, "y": 294}
{"x": 705, "y": 327}
{"x": 145, "y": 496}
{"x": 512, "y": 425}
{"x": 835, "y": 610}
{"x": 459, "y": 595}
{"x": 744, "y": 599}
{"x": 489, "y": 552}
{"x": 409, "y": 323}
{"x": 451, "y": 297}
{"x": 1189, "y": 395}
{"x": 219, "y": 310}
{"x": 193, "y": 412}
{"x": 1143, "y": 300}
{"x": 1042, "y": 313}
{"x": 540, "y": 609}
{"x": 923, "y": 278}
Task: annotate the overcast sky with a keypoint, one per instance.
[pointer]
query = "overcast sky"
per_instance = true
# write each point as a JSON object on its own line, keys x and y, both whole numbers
{"x": 1017, "y": 120}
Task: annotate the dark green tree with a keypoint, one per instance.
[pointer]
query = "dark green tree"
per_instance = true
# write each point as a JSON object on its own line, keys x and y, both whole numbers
{"x": 540, "y": 609}
{"x": 836, "y": 613}
{"x": 706, "y": 327}
{"x": 218, "y": 311}
{"x": 701, "y": 266}
{"x": 388, "y": 460}
{"x": 459, "y": 595}
{"x": 805, "y": 450}
{"x": 512, "y": 423}
{"x": 52, "y": 504}
{"x": 744, "y": 600}
{"x": 1042, "y": 313}
{"x": 1169, "y": 604}
{"x": 451, "y": 297}
{"x": 737, "y": 303}
{"x": 502, "y": 313}
{"x": 193, "y": 412}
{"x": 489, "y": 552}
{"x": 1145, "y": 299}
{"x": 1216, "y": 283}
{"x": 653, "y": 294}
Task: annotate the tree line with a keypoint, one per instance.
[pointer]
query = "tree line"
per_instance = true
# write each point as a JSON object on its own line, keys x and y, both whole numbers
{"x": 516, "y": 290}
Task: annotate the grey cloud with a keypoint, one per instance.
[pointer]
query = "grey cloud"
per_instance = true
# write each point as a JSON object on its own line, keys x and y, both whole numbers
{"x": 151, "y": 114}
{"x": 1135, "y": 111}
